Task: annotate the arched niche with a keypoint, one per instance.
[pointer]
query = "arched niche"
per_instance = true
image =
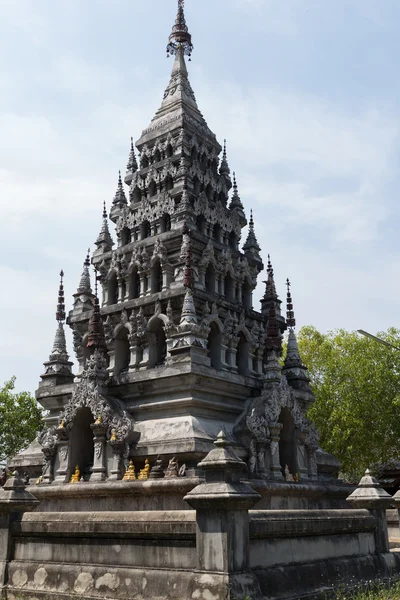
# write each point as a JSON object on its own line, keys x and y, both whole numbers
{"x": 201, "y": 223}
{"x": 134, "y": 284}
{"x": 214, "y": 346}
{"x": 152, "y": 188}
{"x": 169, "y": 183}
{"x": 242, "y": 355}
{"x": 157, "y": 156}
{"x": 144, "y": 161}
{"x": 169, "y": 151}
{"x": 145, "y": 230}
{"x": 229, "y": 288}
{"x": 81, "y": 444}
{"x": 156, "y": 277}
{"x": 165, "y": 223}
{"x": 217, "y": 232}
{"x": 233, "y": 241}
{"x": 122, "y": 352}
{"x": 112, "y": 289}
{"x": 126, "y": 236}
{"x": 247, "y": 293}
{"x": 136, "y": 195}
{"x": 157, "y": 343}
{"x": 209, "y": 280}
{"x": 287, "y": 442}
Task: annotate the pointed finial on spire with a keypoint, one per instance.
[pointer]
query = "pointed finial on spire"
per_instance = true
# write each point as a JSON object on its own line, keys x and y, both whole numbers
{"x": 180, "y": 37}
{"x": 132, "y": 165}
{"x": 251, "y": 244}
{"x": 270, "y": 288}
{"x": 104, "y": 239}
{"x": 96, "y": 338}
{"x": 224, "y": 167}
{"x": 290, "y": 320}
{"x": 84, "y": 284}
{"x": 60, "y": 314}
{"x": 119, "y": 197}
{"x": 58, "y": 365}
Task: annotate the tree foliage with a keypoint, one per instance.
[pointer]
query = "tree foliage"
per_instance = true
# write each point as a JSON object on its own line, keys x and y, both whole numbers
{"x": 356, "y": 382}
{"x": 20, "y": 420}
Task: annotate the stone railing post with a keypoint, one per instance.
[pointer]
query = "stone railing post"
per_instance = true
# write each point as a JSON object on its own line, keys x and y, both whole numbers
{"x": 371, "y": 496}
{"x": 14, "y": 499}
{"x": 222, "y": 506}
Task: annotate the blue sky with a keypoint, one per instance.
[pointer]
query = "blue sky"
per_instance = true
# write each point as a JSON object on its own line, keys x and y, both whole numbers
{"x": 306, "y": 93}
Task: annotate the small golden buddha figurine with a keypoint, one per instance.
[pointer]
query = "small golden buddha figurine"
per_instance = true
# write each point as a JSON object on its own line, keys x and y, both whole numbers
{"x": 99, "y": 420}
{"x": 130, "y": 473}
{"x": 113, "y": 437}
{"x": 76, "y": 477}
{"x": 297, "y": 478}
{"x": 145, "y": 472}
{"x": 61, "y": 425}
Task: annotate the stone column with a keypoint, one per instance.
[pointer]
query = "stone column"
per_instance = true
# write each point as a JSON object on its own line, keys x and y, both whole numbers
{"x": 99, "y": 469}
{"x": 49, "y": 459}
{"x": 371, "y": 496}
{"x": 222, "y": 535}
{"x": 62, "y": 455}
{"x": 14, "y": 500}
{"x": 117, "y": 469}
{"x": 275, "y": 465}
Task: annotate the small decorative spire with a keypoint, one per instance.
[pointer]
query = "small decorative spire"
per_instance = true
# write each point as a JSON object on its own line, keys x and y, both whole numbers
{"x": 132, "y": 162}
{"x": 270, "y": 288}
{"x": 119, "y": 198}
{"x": 273, "y": 339}
{"x": 84, "y": 284}
{"x": 236, "y": 203}
{"x": 60, "y": 314}
{"x": 96, "y": 338}
{"x": 290, "y": 320}
{"x": 251, "y": 243}
{"x": 58, "y": 364}
{"x": 180, "y": 36}
{"x": 224, "y": 167}
{"x": 104, "y": 238}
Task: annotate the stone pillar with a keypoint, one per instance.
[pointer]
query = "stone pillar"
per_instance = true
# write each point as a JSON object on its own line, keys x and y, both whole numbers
{"x": 136, "y": 354}
{"x": 14, "y": 500}
{"x": 99, "y": 469}
{"x": 275, "y": 465}
{"x": 117, "y": 469}
{"x": 222, "y": 535}
{"x": 62, "y": 454}
{"x": 371, "y": 496}
{"x": 48, "y": 468}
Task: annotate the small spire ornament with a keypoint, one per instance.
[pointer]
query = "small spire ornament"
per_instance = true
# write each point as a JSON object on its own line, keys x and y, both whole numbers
{"x": 180, "y": 38}
{"x": 290, "y": 320}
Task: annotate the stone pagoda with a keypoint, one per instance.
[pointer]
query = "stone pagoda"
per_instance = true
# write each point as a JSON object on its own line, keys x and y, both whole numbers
{"x": 174, "y": 349}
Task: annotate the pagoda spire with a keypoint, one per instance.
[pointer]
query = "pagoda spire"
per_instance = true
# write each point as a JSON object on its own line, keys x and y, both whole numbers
{"x": 119, "y": 200}
{"x": 85, "y": 286}
{"x": 96, "y": 338}
{"x": 104, "y": 240}
{"x": 273, "y": 347}
{"x": 294, "y": 368}
{"x": 251, "y": 245}
{"x": 270, "y": 288}
{"x": 132, "y": 165}
{"x": 83, "y": 295}
{"x": 290, "y": 320}
{"x": 58, "y": 363}
{"x": 180, "y": 37}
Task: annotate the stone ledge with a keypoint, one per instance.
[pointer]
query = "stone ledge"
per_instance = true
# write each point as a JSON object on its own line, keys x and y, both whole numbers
{"x": 303, "y": 523}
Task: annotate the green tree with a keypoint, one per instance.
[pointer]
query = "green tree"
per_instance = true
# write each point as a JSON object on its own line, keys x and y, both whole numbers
{"x": 20, "y": 420}
{"x": 356, "y": 382}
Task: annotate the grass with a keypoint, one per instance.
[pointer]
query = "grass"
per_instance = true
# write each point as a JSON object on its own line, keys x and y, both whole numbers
{"x": 372, "y": 592}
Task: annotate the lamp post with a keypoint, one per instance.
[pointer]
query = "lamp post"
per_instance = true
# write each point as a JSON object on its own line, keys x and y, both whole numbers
{"x": 376, "y": 339}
